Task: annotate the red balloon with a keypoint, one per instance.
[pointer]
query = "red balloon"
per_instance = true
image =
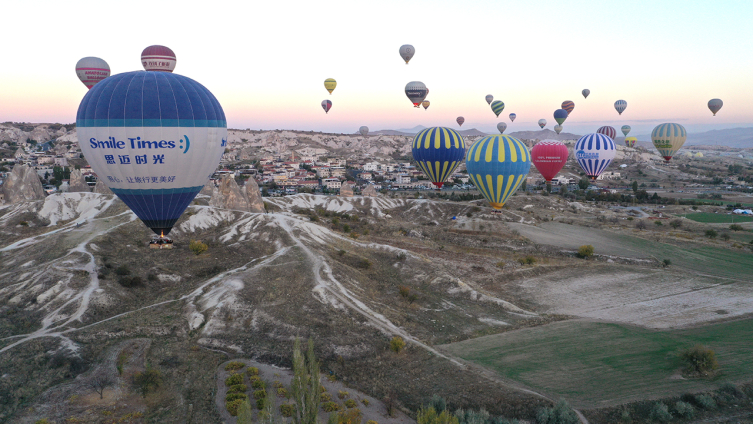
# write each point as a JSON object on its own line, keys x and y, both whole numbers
{"x": 549, "y": 156}
{"x": 607, "y": 131}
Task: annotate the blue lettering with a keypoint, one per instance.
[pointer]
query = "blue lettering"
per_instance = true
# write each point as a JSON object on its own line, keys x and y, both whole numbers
{"x": 93, "y": 142}
{"x": 172, "y": 144}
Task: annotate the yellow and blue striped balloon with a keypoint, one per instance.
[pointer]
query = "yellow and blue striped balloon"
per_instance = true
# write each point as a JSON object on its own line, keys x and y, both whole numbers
{"x": 498, "y": 165}
{"x": 438, "y": 152}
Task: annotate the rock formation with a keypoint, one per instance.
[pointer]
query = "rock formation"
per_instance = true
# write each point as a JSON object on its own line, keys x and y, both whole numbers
{"x": 370, "y": 191}
{"x": 255, "y": 201}
{"x": 101, "y": 188}
{"x": 229, "y": 196}
{"x": 208, "y": 189}
{"x": 346, "y": 190}
{"x": 22, "y": 185}
{"x": 77, "y": 183}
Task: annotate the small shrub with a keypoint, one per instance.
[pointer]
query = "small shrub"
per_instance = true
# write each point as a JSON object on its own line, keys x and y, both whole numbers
{"x": 736, "y": 227}
{"x": 354, "y": 235}
{"x": 469, "y": 214}
{"x": 397, "y": 344}
{"x": 42, "y": 421}
{"x": 325, "y": 397}
{"x": 350, "y": 416}
{"x": 660, "y": 412}
{"x": 130, "y": 281}
{"x": 332, "y": 377}
{"x": 400, "y": 255}
{"x": 562, "y": 413}
{"x": 335, "y": 221}
{"x": 706, "y": 402}
{"x": 412, "y": 298}
{"x": 197, "y": 247}
{"x": 666, "y": 263}
{"x": 261, "y": 403}
{"x": 147, "y": 381}
{"x": 641, "y": 225}
{"x": 341, "y": 253}
{"x": 276, "y": 384}
{"x": 342, "y": 394}
{"x": 151, "y": 277}
{"x": 528, "y": 260}
{"x": 351, "y": 403}
{"x": 684, "y": 409}
{"x": 258, "y": 384}
{"x": 675, "y": 223}
{"x": 232, "y": 406}
{"x": 585, "y": 251}
{"x": 287, "y": 410}
{"x": 330, "y": 407}
{"x": 233, "y": 396}
{"x": 699, "y": 360}
{"x": 725, "y": 237}
{"x": 346, "y": 228}
{"x": 238, "y": 388}
{"x": 122, "y": 270}
{"x": 282, "y": 392}
{"x": 630, "y": 218}
{"x": 258, "y": 394}
{"x": 371, "y": 422}
{"x": 501, "y": 264}
{"x": 364, "y": 264}
{"x": 234, "y": 379}
{"x": 710, "y": 234}
{"x": 404, "y": 291}
{"x": 365, "y": 402}
{"x": 234, "y": 366}
{"x": 658, "y": 223}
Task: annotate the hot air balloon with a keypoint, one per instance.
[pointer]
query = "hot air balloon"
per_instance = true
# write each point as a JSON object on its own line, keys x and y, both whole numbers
{"x": 594, "y": 152}
{"x": 542, "y": 123}
{"x": 630, "y": 141}
{"x": 438, "y": 151}
{"x": 620, "y": 106}
{"x": 512, "y": 117}
{"x": 460, "y": 121}
{"x": 364, "y": 130}
{"x": 625, "y": 130}
{"x": 406, "y": 52}
{"x": 416, "y": 92}
{"x": 489, "y": 98}
{"x": 425, "y": 104}
{"x": 568, "y": 105}
{"x": 560, "y": 115}
{"x": 715, "y": 105}
{"x": 585, "y": 93}
{"x": 549, "y": 156}
{"x": 497, "y": 165}
{"x": 158, "y": 58}
{"x": 326, "y": 105}
{"x": 501, "y": 127}
{"x": 91, "y": 70}
{"x": 668, "y": 139}
{"x": 607, "y": 131}
{"x": 497, "y": 107}
{"x": 330, "y": 84}
{"x": 154, "y": 138}
{"x": 558, "y": 129}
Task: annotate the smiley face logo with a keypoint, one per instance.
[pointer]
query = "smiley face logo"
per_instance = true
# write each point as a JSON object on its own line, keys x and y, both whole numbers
{"x": 185, "y": 146}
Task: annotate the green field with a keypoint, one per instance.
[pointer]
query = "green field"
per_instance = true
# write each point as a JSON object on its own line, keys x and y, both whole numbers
{"x": 717, "y": 218}
{"x": 597, "y": 364}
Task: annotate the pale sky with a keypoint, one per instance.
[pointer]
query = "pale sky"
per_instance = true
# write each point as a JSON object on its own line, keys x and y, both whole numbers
{"x": 266, "y": 61}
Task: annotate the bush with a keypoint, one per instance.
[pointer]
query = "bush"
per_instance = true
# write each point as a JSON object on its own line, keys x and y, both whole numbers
{"x": 232, "y": 406}
{"x": 197, "y": 247}
{"x": 725, "y": 236}
{"x": 122, "y": 270}
{"x": 287, "y": 410}
{"x": 234, "y": 379}
{"x": 560, "y": 414}
{"x": 342, "y": 394}
{"x": 684, "y": 409}
{"x": 258, "y": 394}
{"x": 641, "y": 225}
{"x": 258, "y": 384}
{"x": 528, "y": 260}
{"x": 585, "y": 251}
{"x": 660, "y": 412}
{"x": 233, "y": 396}
{"x": 234, "y": 366}
{"x": 711, "y": 234}
{"x": 675, "y": 223}
{"x": 252, "y": 371}
{"x": 350, "y": 416}
{"x": 699, "y": 360}
{"x": 365, "y": 402}
{"x": 282, "y": 392}
{"x": 261, "y": 403}
{"x": 658, "y": 223}
{"x": 364, "y": 264}
{"x": 330, "y": 407}
{"x": 431, "y": 416}
{"x": 238, "y": 388}
{"x": 666, "y": 263}
{"x": 325, "y": 397}
{"x": 351, "y": 403}
{"x": 736, "y": 227}
{"x": 130, "y": 281}
{"x": 706, "y": 402}
{"x": 404, "y": 291}
{"x": 276, "y": 384}
{"x": 397, "y": 344}
{"x": 346, "y": 228}
{"x": 147, "y": 381}
{"x": 371, "y": 422}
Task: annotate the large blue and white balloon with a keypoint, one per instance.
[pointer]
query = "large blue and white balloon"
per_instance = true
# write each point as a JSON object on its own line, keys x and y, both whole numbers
{"x": 594, "y": 152}
{"x": 154, "y": 138}
{"x": 438, "y": 151}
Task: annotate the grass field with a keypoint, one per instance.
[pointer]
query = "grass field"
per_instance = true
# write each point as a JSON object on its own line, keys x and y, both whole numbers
{"x": 598, "y": 364}
{"x": 717, "y": 218}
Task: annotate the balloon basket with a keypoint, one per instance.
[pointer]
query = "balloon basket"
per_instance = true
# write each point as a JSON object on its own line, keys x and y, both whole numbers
{"x": 161, "y": 242}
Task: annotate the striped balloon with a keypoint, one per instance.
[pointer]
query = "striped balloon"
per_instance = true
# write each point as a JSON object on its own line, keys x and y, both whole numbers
{"x": 326, "y": 105}
{"x": 568, "y": 105}
{"x": 542, "y": 122}
{"x": 594, "y": 152}
{"x": 158, "y": 58}
{"x": 668, "y": 139}
{"x": 607, "y": 131}
{"x": 497, "y": 107}
{"x": 625, "y": 130}
{"x": 438, "y": 151}
{"x": 460, "y": 120}
{"x": 630, "y": 141}
{"x": 620, "y": 106}
{"x": 425, "y": 104}
{"x": 330, "y": 84}
{"x": 497, "y": 165}
{"x": 91, "y": 70}
{"x": 512, "y": 117}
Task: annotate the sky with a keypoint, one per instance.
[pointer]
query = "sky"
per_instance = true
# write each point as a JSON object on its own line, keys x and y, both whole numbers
{"x": 266, "y": 62}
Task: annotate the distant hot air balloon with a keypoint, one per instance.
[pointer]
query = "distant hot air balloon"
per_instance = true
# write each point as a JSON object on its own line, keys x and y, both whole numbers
{"x": 620, "y": 106}
{"x": 326, "y": 105}
{"x": 607, "y": 131}
{"x": 630, "y": 141}
{"x": 154, "y": 138}
{"x": 438, "y": 151}
{"x": 460, "y": 120}
{"x": 489, "y": 98}
{"x": 549, "y": 156}
{"x": 594, "y": 152}
{"x": 560, "y": 115}
{"x": 668, "y": 139}
{"x": 416, "y": 92}
{"x": 497, "y": 165}
{"x": 364, "y": 130}
{"x": 558, "y": 129}
{"x": 497, "y": 107}
{"x": 501, "y": 127}
{"x": 585, "y": 93}
{"x": 512, "y": 117}
{"x": 568, "y": 105}
{"x": 91, "y": 70}
{"x": 406, "y": 52}
{"x": 330, "y": 84}
{"x": 158, "y": 58}
{"x": 425, "y": 104}
{"x": 625, "y": 130}
{"x": 715, "y": 105}
{"x": 542, "y": 123}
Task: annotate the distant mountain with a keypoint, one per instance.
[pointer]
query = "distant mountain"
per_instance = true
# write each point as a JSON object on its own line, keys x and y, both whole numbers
{"x": 415, "y": 130}
{"x": 543, "y": 135}
{"x": 740, "y": 138}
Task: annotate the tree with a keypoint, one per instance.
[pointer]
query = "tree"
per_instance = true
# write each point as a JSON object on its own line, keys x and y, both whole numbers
{"x": 397, "y": 344}
{"x": 699, "y": 360}
{"x": 430, "y": 416}
{"x": 675, "y": 223}
{"x": 99, "y": 381}
{"x": 245, "y": 416}
{"x": 147, "y": 381}
{"x": 305, "y": 387}
{"x": 641, "y": 225}
{"x": 583, "y": 183}
{"x": 711, "y": 234}
{"x": 736, "y": 227}
{"x": 635, "y": 186}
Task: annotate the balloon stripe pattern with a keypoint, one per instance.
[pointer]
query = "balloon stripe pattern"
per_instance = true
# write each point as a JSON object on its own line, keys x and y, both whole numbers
{"x": 497, "y": 107}
{"x": 158, "y": 58}
{"x": 568, "y": 105}
{"x": 497, "y": 165}
{"x": 668, "y": 139}
{"x": 91, "y": 70}
{"x": 512, "y": 117}
{"x": 620, "y": 106}
{"x": 154, "y": 138}
{"x": 607, "y": 131}
{"x": 594, "y": 152}
{"x": 438, "y": 151}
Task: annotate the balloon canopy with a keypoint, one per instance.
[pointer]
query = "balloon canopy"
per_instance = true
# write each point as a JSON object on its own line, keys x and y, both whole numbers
{"x": 585, "y": 93}
{"x": 560, "y": 115}
{"x": 158, "y": 58}
{"x": 568, "y": 105}
{"x": 594, "y": 152}
{"x": 326, "y": 105}
{"x": 549, "y": 156}
{"x": 625, "y": 130}
{"x": 497, "y": 165}
{"x": 620, "y": 106}
{"x": 558, "y": 129}
{"x": 364, "y": 130}
{"x": 330, "y": 84}
{"x": 489, "y": 99}
{"x": 668, "y": 139}
{"x": 438, "y": 151}
{"x": 426, "y": 104}
{"x": 406, "y": 52}
{"x": 630, "y": 141}
{"x": 497, "y": 107}
{"x": 501, "y": 127}
{"x": 416, "y": 92}
{"x": 542, "y": 123}
{"x": 91, "y": 70}
{"x": 512, "y": 117}
{"x": 154, "y": 138}
{"x": 715, "y": 105}
{"x": 607, "y": 131}
{"x": 460, "y": 120}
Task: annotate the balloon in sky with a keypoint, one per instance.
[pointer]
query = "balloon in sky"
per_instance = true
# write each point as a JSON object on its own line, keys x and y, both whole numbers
{"x": 668, "y": 139}
{"x": 542, "y": 123}
{"x": 549, "y": 156}
{"x": 460, "y": 120}
{"x": 620, "y": 106}
{"x": 364, "y": 130}
{"x": 560, "y": 115}
{"x": 497, "y": 166}
{"x": 497, "y": 107}
{"x": 501, "y": 127}
{"x": 558, "y": 129}
{"x": 91, "y": 70}
{"x": 416, "y": 92}
{"x": 326, "y": 105}
{"x": 630, "y": 141}
{"x": 625, "y": 129}
{"x": 425, "y": 104}
{"x": 158, "y": 58}
{"x": 585, "y": 93}
{"x": 489, "y": 98}
{"x": 594, "y": 152}
{"x": 438, "y": 151}
{"x": 715, "y": 105}
{"x": 607, "y": 131}
{"x": 330, "y": 84}
{"x": 512, "y": 117}
{"x": 154, "y": 138}
{"x": 406, "y": 52}
{"x": 568, "y": 105}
